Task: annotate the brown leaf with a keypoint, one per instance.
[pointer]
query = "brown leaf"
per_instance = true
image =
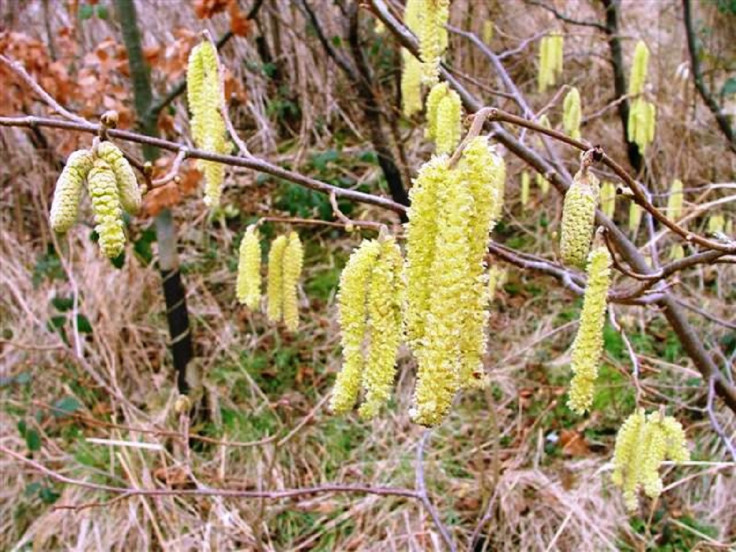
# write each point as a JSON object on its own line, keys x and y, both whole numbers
{"x": 161, "y": 198}
{"x": 239, "y": 24}
{"x": 207, "y": 8}
{"x": 573, "y": 443}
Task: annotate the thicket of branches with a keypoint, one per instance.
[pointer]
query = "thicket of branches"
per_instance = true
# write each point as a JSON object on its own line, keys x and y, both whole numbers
{"x": 312, "y": 102}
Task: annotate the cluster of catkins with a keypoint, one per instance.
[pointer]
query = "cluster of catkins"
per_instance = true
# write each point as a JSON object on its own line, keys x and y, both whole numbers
{"x": 447, "y": 289}
{"x": 285, "y": 261}
{"x": 550, "y": 60}
{"x": 112, "y": 187}
{"x": 204, "y": 95}
{"x": 642, "y": 114}
{"x": 427, "y": 20}
{"x": 642, "y": 444}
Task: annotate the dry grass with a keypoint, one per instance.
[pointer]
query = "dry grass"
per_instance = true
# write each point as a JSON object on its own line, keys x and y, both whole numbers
{"x": 501, "y": 454}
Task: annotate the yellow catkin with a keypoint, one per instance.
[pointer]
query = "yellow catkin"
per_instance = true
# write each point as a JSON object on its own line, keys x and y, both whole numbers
{"x": 275, "y": 286}
{"x": 525, "y": 189}
{"x": 677, "y": 252}
{"x": 68, "y": 188}
{"x": 433, "y": 38}
{"x": 293, "y": 262}
{"x": 634, "y": 216}
{"x": 572, "y": 113}
{"x": 130, "y": 193}
{"x": 248, "y": 285}
{"x": 483, "y": 172}
{"x": 103, "y": 191}
{"x": 642, "y": 123}
{"x": 638, "y": 74}
{"x": 435, "y": 96}
{"x": 207, "y": 125}
{"x": 550, "y": 60}
{"x": 608, "y": 198}
{"x": 487, "y": 31}
{"x": 411, "y": 84}
{"x": 384, "y": 328}
{"x": 352, "y": 300}
{"x": 449, "y": 123}
{"x": 542, "y": 183}
{"x": 588, "y": 345}
{"x": 438, "y": 374}
{"x": 716, "y": 223}
{"x": 420, "y": 249}
{"x": 675, "y": 200}
{"x": 642, "y": 444}
{"x": 578, "y": 217}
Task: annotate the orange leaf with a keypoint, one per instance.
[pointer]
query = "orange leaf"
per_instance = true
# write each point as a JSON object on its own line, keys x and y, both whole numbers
{"x": 160, "y": 198}
{"x": 239, "y": 24}
{"x": 207, "y": 8}
{"x": 573, "y": 443}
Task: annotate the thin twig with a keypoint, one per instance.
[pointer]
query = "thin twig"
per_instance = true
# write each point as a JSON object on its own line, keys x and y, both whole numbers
{"x": 424, "y": 497}
{"x": 715, "y": 423}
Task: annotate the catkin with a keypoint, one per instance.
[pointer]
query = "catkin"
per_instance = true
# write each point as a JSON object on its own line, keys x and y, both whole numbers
{"x": 436, "y": 95}
{"x": 411, "y": 76}
{"x": 542, "y": 183}
{"x": 433, "y": 38}
{"x": 248, "y": 284}
{"x": 634, "y": 216}
{"x": 103, "y": 191}
{"x": 292, "y": 270}
{"x": 675, "y": 200}
{"x": 483, "y": 172}
{"x": 642, "y": 123}
{"x": 275, "y": 286}
{"x": 420, "y": 244}
{"x": 716, "y": 223}
{"x": 572, "y": 113}
{"x": 449, "y": 123}
{"x": 130, "y": 194}
{"x": 525, "y": 189}
{"x": 578, "y": 217}
{"x": 204, "y": 95}
{"x": 384, "y": 328}
{"x": 68, "y": 189}
{"x": 642, "y": 444}
{"x": 588, "y": 345}
{"x": 352, "y": 299}
{"x": 608, "y": 198}
{"x": 550, "y": 60}
{"x": 638, "y": 74}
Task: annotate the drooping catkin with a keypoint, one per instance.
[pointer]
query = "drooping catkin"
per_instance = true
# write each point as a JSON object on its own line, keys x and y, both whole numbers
{"x": 550, "y": 60}
{"x": 525, "y": 189}
{"x": 433, "y": 38}
{"x": 572, "y": 113}
{"x": 68, "y": 189}
{"x": 677, "y": 252}
{"x": 420, "y": 244}
{"x": 275, "y": 285}
{"x": 103, "y": 191}
{"x": 638, "y": 74}
{"x": 542, "y": 183}
{"x": 435, "y": 96}
{"x": 292, "y": 270}
{"x": 449, "y": 123}
{"x": 248, "y": 285}
{"x": 384, "y": 328}
{"x": 675, "y": 200}
{"x": 642, "y": 123}
{"x": 483, "y": 172}
{"x": 204, "y": 95}
{"x": 352, "y": 299}
{"x": 578, "y": 217}
{"x": 411, "y": 75}
{"x": 634, "y": 216}
{"x": 716, "y": 223}
{"x": 439, "y": 354}
{"x": 608, "y": 198}
{"x": 130, "y": 193}
{"x": 642, "y": 444}
{"x": 588, "y": 345}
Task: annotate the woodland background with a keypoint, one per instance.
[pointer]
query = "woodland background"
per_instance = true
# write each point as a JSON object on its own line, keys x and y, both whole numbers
{"x": 514, "y": 458}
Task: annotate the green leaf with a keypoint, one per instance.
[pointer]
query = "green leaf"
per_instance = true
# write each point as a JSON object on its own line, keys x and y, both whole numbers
{"x": 32, "y": 488}
{"x": 48, "y": 495}
{"x": 103, "y": 13}
{"x": 729, "y": 87}
{"x": 83, "y": 324}
{"x": 119, "y": 261}
{"x": 86, "y": 11}
{"x": 33, "y": 440}
{"x": 66, "y": 407}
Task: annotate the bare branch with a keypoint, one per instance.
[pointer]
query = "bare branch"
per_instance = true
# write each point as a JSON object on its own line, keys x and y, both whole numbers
{"x": 565, "y": 18}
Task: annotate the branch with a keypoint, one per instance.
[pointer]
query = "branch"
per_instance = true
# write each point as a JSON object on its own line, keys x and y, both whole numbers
{"x": 424, "y": 497}
{"x": 705, "y": 93}
{"x": 716, "y": 424}
{"x": 254, "y": 163}
{"x": 565, "y": 18}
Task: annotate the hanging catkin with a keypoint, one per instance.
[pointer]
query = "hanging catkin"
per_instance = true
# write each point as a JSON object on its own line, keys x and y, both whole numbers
{"x": 449, "y": 123}
{"x": 352, "y": 299}
{"x": 634, "y": 216}
{"x": 248, "y": 285}
{"x": 436, "y": 95}
{"x": 275, "y": 286}
{"x": 675, "y": 200}
{"x": 578, "y": 217}
{"x": 411, "y": 75}
{"x": 292, "y": 270}
{"x": 103, "y": 191}
{"x": 204, "y": 95}
{"x": 550, "y": 60}
{"x": 588, "y": 345}
{"x": 433, "y": 38}
{"x": 642, "y": 444}
{"x": 638, "y": 74}
{"x": 130, "y": 194}
{"x": 608, "y": 198}
{"x": 525, "y": 189}
{"x": 572, "y": 113}
{"x": 68, "y": 189}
